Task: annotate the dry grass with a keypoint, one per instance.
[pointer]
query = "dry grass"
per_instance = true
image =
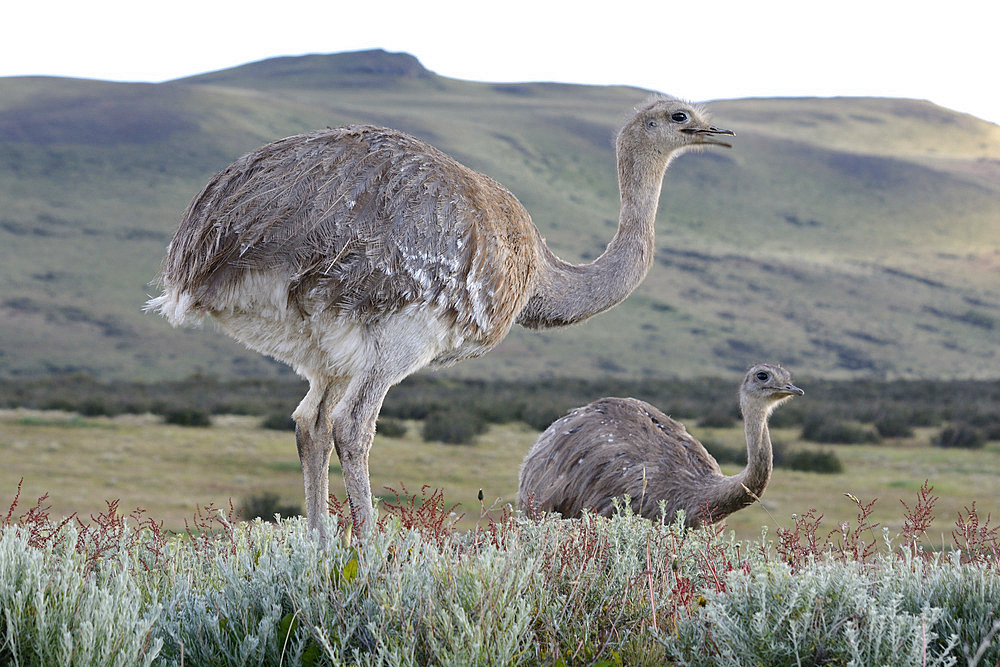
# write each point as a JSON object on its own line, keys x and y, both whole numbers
{"x": 170, "y": 470}
{"x": 891, "y": 471}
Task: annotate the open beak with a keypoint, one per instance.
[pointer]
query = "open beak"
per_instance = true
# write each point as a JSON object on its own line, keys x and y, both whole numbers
{"x": 707, "y": 135}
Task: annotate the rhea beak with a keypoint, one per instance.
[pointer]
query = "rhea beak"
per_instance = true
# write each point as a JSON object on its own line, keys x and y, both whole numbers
{"x": 707, "y": 135}
{"x": 789, "y": 390}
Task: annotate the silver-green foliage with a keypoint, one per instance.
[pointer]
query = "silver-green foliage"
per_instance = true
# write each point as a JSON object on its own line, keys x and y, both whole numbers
{"x": 281, "y": 598}
{"x": 549, "y": 592}
{"x": 54, "y": 614}
{"x": 826, "y": 612}
{"x": 899, "y": 610}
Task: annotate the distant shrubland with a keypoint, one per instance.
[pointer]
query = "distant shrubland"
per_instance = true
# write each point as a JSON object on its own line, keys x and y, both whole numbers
{"x": 967, "y": 412}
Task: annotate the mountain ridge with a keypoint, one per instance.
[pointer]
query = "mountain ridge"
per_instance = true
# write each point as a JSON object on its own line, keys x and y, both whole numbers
{"x": 842, "y": 236}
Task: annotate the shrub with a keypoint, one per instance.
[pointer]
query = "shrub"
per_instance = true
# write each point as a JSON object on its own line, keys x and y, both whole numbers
{"x": 719, "y": 418}
{"x": 499, "y": 410}
{"x": 787, "y": 416}
{"x": 589, "y": 591}
{"x": 54, "y": 614}
{"x": 992, "y": 431}
{"x": 278, "y": 421}
{"x": 96, "y": 407}
{"x": 725, "y": 453}
{"x": 539, "y": 414}
{"x": 58, "y": 403}
{"x": 187, "y": 417}
{"x": 895, "y": 424}
{"x": 820, "y": 428}
{"x": 813, "y": 461}
{"x": 265, "y": 506}
{"x": 960, "y": 435}
{"x": 390, "y": 428}
{"x": 453, "y": 426}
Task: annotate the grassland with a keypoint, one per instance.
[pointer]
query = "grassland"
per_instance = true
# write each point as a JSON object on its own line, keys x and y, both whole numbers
{"x": 171, "y": 470}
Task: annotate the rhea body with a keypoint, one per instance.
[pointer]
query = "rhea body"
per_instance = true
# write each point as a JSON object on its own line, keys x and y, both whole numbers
{"x": 359, "y": 255}
{"x": 618, "y": 447}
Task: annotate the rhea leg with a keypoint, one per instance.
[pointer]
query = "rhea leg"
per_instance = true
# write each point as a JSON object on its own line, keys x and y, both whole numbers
{"x": 353, "y": 433}
{"x": 314, "y": 440}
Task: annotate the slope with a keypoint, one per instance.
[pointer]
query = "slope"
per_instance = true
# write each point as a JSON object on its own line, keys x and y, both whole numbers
{"x": 840, "y": 236}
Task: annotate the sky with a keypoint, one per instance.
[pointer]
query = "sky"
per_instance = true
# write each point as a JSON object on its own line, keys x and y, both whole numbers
{"x": 699, "y": 50}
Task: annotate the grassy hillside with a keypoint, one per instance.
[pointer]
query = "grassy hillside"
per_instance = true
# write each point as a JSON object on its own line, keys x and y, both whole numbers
{"x": 840, "y": 236}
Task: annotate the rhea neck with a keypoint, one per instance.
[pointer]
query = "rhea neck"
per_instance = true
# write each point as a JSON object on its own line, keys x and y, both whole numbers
{"x": 568, "y": 293}
{"x": 732, "y": 492}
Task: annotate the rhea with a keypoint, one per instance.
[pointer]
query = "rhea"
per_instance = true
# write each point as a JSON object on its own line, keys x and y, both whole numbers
{"x": 617, "y": 447}
{"x": 359, "y": 255}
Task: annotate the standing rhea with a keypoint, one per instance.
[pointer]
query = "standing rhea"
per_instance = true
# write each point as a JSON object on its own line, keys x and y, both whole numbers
{"x": 622, "y": 446}
{"x": 359, "y": 255}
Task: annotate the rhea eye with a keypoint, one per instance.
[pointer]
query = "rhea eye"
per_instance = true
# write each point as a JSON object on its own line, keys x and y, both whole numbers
{"x": 762, "y": 376}
{"x": 679, "y": 117}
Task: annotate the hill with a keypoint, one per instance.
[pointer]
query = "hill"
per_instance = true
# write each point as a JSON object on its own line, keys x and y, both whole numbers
{"x": 843, "y": 237}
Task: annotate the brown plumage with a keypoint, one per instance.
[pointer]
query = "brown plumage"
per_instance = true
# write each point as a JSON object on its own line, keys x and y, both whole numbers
{"x": 359, "y": 255}
{"x": 615, "y": 447}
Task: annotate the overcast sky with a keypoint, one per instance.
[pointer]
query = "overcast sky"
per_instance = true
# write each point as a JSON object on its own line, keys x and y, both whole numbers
{"x": 696, "y": 49}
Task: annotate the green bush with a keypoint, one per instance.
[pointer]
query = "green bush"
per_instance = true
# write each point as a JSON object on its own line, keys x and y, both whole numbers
{"x": 813, "y": 461}
{"x": 540, "y": 413}
{"x": 187, "y": 417}
{"x": 725, "y": 453}
{"x": 719, "y": 418}
{"x": 992, "y": 431}
{"x": 390, "y": 428}
{"x": 788, "y": 416}
{"x": 960, "y": 435}
{"x": 895, "y": 424}
{"x": 738, "y": 455}
{"x": 820, "y": 428}
{"x": 278, "y": 421}
{"x": 56, "y": 403}
{"x": 453, "y": 426}
{"x": 96, "y": 407}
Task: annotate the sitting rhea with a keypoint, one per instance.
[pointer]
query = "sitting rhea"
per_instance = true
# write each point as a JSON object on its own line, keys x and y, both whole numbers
{"x": 618, "y": 447}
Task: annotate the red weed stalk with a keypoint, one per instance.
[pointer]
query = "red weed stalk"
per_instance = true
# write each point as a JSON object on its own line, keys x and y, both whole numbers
{"x": 853, "y": 546}
{"x": 917, "y": 520}
{"x": 800, "y": 543}
{"x": 430, "y": 517}
{"x": 210, "y": 532}
{"x": 979, "y": 542}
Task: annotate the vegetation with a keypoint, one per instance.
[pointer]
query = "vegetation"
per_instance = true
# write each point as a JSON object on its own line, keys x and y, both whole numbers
{"x": 165, "y": 468}
{"x": 960, "y": 435}
{"x": 819, "y": 428}
{"x": 832, "y": 411}
{"x": 440, "y": 583}
{"x": 453, "y": 426}
{"x": 514, "y": 590}
{"x": 824, "y": 461}
{"x": 187, "y": 417}
{"x": 896, "y": 423}
{"x": 391, "y": 428}
{"x": 807, "y": 460}
{"x": 278, "y": 421}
